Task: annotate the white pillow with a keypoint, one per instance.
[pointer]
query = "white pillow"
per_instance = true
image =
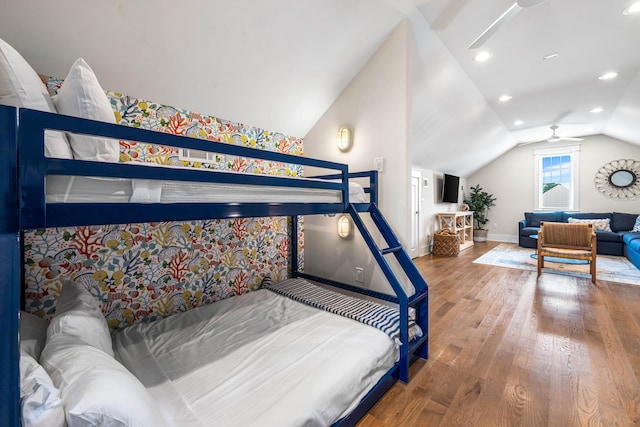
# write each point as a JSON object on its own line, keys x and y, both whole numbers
{"x": 598, "y": 224}
{"x": 82, "y": 96}
{"x": 33, "y": 334}
{"x": 95, "y": 388}
{"x": 21, "y": 87}
{"x": 636, "y": 226}
{"x": 77, "y": 314}
{"x": 40, "y": 401}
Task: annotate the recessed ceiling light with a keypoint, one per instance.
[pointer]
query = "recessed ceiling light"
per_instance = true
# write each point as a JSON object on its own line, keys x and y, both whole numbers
{"x": 550, "y": 56}
{"x": 505, "y": 98}
{"x": 482, "y": 56}
{"x": 589, "y": 129}
{"x": 634, "y": 8}
{"x": 597, "y": 110}
{"x": 608, "y": 76}
{"x": 518, "y": 123}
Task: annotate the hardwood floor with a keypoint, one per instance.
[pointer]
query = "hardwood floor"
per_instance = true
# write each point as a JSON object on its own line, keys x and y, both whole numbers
{"x": 507, "y": 350}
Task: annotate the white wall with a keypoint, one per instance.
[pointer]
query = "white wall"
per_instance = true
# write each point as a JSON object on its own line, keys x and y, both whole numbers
{"x": 510, "y": 178}
{"x": 376, "y": 106}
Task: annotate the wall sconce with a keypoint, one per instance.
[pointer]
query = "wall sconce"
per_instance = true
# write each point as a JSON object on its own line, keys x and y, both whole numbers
{"x": 345, "y": 139}
{"x": 344, "y": 226}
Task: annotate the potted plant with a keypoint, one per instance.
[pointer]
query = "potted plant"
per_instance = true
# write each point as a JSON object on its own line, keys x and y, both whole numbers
{"x": 480, "y": 202}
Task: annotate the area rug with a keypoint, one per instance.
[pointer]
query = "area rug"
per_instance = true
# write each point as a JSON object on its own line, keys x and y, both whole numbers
{"x": 610, "y": 268}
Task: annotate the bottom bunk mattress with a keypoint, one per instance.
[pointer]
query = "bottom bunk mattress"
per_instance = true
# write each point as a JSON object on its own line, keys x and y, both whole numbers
{"x": 259, "y": 359}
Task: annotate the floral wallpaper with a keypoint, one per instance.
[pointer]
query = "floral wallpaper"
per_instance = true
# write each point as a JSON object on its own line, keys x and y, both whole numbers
{"x": 141, "y": 272}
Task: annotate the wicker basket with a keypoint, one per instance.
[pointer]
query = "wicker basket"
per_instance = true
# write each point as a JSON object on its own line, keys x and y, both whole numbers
{"x": 446, "y": 243}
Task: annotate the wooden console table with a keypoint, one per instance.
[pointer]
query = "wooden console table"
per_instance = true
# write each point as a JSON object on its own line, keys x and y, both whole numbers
{"x": 459, "y": 222}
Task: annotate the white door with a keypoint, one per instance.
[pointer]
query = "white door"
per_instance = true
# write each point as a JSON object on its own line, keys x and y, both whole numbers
{"x": 414, "y": 250}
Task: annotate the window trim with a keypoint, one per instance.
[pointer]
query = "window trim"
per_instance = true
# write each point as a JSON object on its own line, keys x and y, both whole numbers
{"x": 573, "y": 151}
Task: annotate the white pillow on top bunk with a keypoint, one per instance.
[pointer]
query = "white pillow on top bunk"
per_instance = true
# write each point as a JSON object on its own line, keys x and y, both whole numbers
{"x": 82, "y": 96}
{"x": 96, "y": 389}
{"x": 77, "y": 314}
{"x": 21, "y": 87}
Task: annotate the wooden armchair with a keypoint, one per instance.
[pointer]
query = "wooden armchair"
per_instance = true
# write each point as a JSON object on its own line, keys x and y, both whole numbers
{"x": 562, "y": 240}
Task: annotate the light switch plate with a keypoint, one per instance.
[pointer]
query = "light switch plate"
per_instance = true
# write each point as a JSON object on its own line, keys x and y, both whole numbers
{"x": 378, "y": 164}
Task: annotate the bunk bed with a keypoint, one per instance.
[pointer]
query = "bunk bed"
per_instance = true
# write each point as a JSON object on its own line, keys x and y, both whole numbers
{"x": 29, "y": 202}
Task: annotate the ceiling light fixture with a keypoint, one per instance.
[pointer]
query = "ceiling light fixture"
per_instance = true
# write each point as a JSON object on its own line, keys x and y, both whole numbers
{"x": 633, "y": 9}
{"x": 518, "y": 123}
{"x": 550, "y": 56}
{"x": 608, "y": 76}
{"x": 589, "y": 129}
{"x": 505, "y": 98}
{"x": 482, "y": 56}
{"x": 596, "y": 110}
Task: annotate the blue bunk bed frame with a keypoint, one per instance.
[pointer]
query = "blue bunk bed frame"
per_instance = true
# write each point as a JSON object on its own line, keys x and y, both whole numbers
{"x": 22, "y": 188}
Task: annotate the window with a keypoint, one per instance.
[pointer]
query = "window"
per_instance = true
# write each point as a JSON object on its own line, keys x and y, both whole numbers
{"x": 556, "y": 178}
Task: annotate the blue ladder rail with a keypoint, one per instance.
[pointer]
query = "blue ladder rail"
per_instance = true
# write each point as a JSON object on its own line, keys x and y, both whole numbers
{"x": 418, "y": 299}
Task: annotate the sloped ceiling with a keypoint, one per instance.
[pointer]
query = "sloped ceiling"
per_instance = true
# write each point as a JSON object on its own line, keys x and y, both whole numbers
{"x": 279, "y": 64}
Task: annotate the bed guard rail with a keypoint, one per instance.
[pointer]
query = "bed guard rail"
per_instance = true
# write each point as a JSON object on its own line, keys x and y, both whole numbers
{"x": 34, "y": 167}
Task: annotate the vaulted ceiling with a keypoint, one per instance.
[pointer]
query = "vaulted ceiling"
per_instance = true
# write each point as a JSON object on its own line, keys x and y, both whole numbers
{"x": 279, "y": 64}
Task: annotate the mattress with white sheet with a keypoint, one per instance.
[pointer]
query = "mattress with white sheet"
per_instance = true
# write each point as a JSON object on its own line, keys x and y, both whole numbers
{"x": 259, "y": 359}
{"x": 82, "y": 189}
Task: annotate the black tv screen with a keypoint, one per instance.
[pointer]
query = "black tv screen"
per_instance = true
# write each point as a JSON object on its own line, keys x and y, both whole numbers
{"x": 450, "y": 187}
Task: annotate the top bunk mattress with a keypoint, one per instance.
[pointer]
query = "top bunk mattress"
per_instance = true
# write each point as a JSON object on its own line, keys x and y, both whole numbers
{"x": 83, "y": 189}
{"x": 258, "y": 359}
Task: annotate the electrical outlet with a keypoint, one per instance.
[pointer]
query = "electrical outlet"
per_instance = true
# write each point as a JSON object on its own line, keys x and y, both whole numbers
{"x": 495, "y": 226}
{"x": 360, "y": 274}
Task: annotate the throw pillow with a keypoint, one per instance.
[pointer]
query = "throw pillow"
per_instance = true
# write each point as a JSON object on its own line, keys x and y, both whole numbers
{"x": 598, "y": 224}
{"x": 21, "y": 87}
{"x": 636, "y": 227}
{"x": 82, "y": 96}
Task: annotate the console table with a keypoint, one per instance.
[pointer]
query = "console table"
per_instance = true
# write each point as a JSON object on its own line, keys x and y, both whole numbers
{"x": 459, "y": 222}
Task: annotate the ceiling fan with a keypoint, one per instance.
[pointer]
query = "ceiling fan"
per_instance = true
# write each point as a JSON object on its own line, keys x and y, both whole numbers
{"x": 503, "y": 19}
{"x": 555, "y": 137}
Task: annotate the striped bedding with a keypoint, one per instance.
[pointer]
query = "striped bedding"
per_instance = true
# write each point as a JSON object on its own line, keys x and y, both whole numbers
{"x": 383, "y": 317}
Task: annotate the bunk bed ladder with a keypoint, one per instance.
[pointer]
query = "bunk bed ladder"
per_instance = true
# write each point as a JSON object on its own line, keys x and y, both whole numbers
{"x": 418, "y": 300}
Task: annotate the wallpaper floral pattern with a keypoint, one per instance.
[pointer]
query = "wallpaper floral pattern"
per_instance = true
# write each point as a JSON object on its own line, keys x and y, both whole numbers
{"x": 141, "y": 272}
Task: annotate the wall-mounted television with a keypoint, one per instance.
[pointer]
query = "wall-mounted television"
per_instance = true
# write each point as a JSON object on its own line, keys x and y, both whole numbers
{"x": 450, "y": 186}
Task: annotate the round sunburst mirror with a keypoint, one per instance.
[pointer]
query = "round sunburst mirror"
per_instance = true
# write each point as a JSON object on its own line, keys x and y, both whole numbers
{"x": 619, "y": 179}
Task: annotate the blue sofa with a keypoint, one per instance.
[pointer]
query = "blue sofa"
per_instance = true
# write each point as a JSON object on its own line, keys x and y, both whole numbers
{"x": 620, "y": 241}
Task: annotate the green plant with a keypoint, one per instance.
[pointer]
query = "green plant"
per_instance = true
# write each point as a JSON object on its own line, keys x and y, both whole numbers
{"x": 480, "y": 202}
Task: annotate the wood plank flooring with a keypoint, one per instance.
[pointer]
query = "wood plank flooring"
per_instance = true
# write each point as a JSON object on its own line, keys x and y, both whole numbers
{"x": 508, "y": 350}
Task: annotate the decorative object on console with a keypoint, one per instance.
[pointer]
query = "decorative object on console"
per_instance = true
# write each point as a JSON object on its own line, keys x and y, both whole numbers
{"x": 619, "y": 179}
{"x": 480, "y": 202}
{"x": 344, "y": 226}
{"x": 345, "y": 139}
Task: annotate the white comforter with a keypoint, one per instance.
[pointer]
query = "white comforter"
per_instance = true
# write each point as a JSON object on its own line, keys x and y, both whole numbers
{"x": 259, "y": 359}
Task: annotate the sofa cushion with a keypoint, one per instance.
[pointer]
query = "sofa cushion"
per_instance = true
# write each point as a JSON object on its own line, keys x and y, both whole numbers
{"x": 628, "y": 237}
{"x": 634, "y": 245}
{"x": 533, "y": 218}
{"x": 528, "y": 231}
{"x": 622, "y": 221}
{"x": 608, "y": 236}
{"x": 585, "y": 215}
